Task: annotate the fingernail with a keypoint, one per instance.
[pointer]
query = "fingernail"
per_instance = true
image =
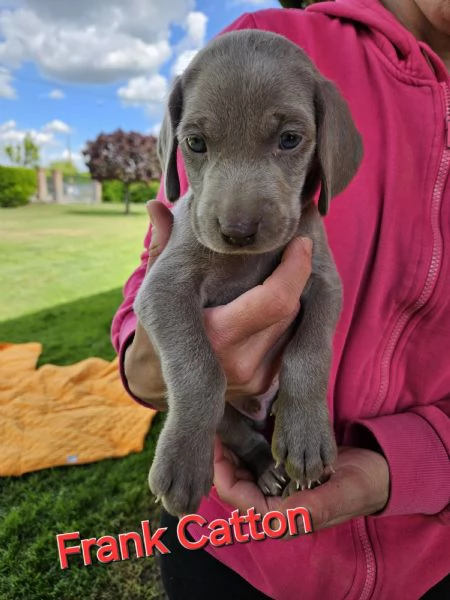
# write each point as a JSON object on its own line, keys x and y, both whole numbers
{"x": 307, "y": 244}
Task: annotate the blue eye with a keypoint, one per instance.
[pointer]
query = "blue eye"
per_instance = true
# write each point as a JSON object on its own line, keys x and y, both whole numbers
{"x": 196, "y": 144}
{"x": 289, "y": 140}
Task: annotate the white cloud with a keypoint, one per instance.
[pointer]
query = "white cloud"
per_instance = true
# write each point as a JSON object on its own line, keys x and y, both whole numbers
{"x": 155, "y": 129}
{"x": 182, "y": 61}
{"x": 56, "y": 95}
{"x": 149, "y": 91}
{"x": 50, "y": 138}
{"x": 8, "y": 125}
{"x": 99, "y": 41}
{"x": 252, "y": 3}
{"x": 196, "y": 27}
{"x": 11, "y": 134}
{"x": 6, "y": 89}
{"x": 57, "y": 126}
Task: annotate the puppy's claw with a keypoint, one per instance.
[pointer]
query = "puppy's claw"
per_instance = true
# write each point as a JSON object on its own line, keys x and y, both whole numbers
{"x": 309, "y": 484}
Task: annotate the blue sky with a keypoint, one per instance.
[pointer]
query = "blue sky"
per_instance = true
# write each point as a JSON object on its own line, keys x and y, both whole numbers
{"x": 71, "y": 69}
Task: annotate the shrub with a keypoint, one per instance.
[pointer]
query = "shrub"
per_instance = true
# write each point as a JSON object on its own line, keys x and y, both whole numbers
{"x": 114, "y": 191}
{"x": 143, "y": 192}
{"x": 153, "y": 189}
{"x": 17, "y": 186}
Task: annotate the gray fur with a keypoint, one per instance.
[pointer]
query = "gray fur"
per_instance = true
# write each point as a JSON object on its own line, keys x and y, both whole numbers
{"x": 239, "y": 94}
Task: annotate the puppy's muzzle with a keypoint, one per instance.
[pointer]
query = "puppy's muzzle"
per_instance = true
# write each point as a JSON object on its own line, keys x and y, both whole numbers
{"x": 239, "y": 233}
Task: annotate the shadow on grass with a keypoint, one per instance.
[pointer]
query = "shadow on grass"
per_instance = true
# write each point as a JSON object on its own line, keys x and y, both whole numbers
{"x": 68, "y": 332}
{"x": 106, "y": 213}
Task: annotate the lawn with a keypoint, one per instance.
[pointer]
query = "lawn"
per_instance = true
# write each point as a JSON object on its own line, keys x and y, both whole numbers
{"x": 62, "y": 270}
{"x": 56, "y": 254}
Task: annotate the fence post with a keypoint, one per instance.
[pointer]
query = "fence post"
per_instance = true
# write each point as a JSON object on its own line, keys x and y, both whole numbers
{"x": 97, "y": 192}
{"x": 42, "y": 190}
{"x": 58, "y": 187}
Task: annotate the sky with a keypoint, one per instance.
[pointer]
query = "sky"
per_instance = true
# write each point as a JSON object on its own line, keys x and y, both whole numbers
{"x": 70, "y": 69}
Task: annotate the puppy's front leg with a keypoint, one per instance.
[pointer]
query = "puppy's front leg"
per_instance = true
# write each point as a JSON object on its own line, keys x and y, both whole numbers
{"x": 303, "y": 439}
{"x": 170, "y": 311}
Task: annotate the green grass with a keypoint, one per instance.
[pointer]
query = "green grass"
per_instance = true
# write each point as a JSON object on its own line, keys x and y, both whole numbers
{"x": 76, "y": 279}
{"x": 56, "y": 254}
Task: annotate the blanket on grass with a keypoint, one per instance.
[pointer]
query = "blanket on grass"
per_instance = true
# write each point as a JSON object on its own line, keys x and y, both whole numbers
{"x": 64, "y": 415}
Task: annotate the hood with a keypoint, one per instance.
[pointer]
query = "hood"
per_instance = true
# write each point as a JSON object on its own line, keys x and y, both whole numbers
{"x": 393, "y": 39}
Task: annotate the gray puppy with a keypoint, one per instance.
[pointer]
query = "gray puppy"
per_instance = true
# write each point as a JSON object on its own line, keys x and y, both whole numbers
{"x": 259, "y": 130}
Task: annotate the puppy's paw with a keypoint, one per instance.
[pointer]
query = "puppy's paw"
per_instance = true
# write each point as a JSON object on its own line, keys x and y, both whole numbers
{"x": 181, "y": 474}
{"x": 273, "y": 480}
{"x": 270, "y": 476}
{"x": 305, "y": 445}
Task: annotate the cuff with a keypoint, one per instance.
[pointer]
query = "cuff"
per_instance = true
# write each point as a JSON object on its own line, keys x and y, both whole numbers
{"x": 419, "y": 465}
{"x": 126, "y": 336}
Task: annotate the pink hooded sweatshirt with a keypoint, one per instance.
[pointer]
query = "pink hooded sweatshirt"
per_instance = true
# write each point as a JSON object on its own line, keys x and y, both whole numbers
{"x": 390, "y": 235}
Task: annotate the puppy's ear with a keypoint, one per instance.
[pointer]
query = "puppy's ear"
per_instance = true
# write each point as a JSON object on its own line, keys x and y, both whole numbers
{"x": 339, "y": 145}
{"x": 168, "y": 143}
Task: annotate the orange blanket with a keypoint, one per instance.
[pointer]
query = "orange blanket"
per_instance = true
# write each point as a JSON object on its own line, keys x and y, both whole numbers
{"x": 55, "y": 416}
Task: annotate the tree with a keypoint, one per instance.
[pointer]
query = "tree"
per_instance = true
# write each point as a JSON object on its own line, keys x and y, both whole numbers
{"x": 25, "y": 154}
{"x": 129, "y": 157}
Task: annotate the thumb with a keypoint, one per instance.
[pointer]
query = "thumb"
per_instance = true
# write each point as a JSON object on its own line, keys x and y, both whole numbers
{"x": 161, "y": 219}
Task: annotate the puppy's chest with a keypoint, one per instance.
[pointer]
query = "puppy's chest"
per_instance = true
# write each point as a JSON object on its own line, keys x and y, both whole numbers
{"x": 232, "y": 276}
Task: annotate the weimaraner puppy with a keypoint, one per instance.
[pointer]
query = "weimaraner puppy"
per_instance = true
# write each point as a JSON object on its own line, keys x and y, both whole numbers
{"x": 259, "y": 130}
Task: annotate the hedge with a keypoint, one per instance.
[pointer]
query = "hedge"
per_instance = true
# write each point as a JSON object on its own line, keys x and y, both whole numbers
{"x": 17, "y": 186}
{"x": 114, "y": 191}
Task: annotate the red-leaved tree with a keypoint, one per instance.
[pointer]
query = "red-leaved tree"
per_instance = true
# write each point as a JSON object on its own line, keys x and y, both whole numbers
{"x": 129, "y": 157}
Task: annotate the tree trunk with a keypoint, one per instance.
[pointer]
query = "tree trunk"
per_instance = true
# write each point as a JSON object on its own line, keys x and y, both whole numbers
{"x": 127, "y": 199}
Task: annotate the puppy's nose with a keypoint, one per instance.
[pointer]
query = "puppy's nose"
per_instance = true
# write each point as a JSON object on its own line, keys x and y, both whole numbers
{"x": 239, "y": 233}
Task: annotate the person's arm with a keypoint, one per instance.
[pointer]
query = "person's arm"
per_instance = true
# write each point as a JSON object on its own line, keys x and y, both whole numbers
{"x": 398, "y": 465}
{"x": 416, "y": 445}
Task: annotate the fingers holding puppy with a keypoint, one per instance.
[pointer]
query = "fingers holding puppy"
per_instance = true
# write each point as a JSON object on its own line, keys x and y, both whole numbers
{"x": 250, "y": 333}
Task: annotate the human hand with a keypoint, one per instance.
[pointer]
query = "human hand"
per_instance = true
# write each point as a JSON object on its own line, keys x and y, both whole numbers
{"x": 248, "y": 335}
{"x": 358, "y": 487}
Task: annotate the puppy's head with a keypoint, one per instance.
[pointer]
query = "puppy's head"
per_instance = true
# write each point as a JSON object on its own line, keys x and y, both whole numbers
{"x": 259, "y": 129}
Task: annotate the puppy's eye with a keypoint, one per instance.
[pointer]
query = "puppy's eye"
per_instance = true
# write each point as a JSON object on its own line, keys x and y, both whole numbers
{"x": 289, "y": 140}
{"x": 196, "y": 144}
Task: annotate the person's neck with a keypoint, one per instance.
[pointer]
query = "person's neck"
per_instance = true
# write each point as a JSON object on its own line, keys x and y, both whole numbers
{"x": 413, "y": 19}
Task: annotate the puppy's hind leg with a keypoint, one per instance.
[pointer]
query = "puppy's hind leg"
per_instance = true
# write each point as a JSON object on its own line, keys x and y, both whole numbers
{"x": 237, "y": 432}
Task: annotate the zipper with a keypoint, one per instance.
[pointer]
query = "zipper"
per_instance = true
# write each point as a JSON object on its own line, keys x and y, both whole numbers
{"x": 369, "y": 555}
{"x": 434, "y": 268}
{"x": 404, "y": 319}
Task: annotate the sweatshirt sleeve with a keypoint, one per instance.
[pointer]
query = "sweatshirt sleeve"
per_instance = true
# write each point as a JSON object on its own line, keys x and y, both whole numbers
{"x": 416, "y": 445}
{"x": 124, "y": 321}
